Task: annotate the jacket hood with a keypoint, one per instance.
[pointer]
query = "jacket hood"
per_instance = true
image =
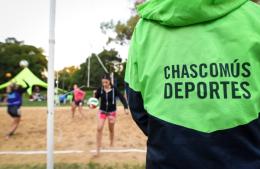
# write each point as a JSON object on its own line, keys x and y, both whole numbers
{"x": 186, "y": 12}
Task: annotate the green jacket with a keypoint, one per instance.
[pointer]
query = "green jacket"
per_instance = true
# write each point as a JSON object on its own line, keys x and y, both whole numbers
{"x": 196, "y": 67}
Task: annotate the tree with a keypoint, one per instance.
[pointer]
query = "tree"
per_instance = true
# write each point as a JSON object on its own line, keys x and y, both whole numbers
{"x": 96, "y": 70}
{"x": 123, "y": 33}
{"x": 123, "y": 30}
{"x": 67, "y": 77}
{"x": 13, "y": 51}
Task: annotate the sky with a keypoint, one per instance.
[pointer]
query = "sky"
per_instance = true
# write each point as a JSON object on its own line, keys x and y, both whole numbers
{"x": 78, "y": 31}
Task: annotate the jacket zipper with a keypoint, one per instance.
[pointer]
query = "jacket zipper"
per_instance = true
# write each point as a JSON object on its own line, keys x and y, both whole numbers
{"x": 106, "y": 102}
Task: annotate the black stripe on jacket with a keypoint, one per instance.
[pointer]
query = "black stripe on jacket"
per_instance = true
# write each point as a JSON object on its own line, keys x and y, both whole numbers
{"x": 171, "y": 146}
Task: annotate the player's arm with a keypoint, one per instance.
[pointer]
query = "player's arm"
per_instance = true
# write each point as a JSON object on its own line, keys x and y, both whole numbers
{"x": 83, "y": 93}
{"x": 25, "y": 89}
{"x": 97, "y": 93}
{"x": 3, "y": 102}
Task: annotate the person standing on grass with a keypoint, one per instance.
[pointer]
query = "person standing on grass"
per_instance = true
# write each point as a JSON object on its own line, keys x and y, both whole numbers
{"x": 107, "y": 95}
{"x": 78, "y": 100}
{"x": 194, "y": 83}
{"x": 14, "y": 103}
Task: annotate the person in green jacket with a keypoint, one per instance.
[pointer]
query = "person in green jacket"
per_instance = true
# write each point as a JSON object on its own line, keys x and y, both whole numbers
{"x": 193, "y": 83}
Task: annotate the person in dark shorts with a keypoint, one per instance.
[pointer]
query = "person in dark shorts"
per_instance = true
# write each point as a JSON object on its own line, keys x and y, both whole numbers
{"x": 14, "y": 103}
{"x": 107, "y": 94}
{"x": 78, "y": 100}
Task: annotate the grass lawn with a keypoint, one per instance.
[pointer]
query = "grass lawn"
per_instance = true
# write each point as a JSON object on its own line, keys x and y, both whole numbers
{"x": 74, "y": 166}
{"x": 28, "y": 103}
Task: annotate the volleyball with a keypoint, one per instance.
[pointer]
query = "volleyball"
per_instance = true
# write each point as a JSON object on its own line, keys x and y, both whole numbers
{"x": 93, "y": 103}
{"x": 24, "y": 63}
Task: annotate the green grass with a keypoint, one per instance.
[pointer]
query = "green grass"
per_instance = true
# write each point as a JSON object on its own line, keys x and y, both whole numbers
{"x": 74, "y": 166}
{"x": 27, "y": 103}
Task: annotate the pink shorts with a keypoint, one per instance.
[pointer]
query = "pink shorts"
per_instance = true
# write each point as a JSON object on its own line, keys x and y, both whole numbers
{"x": 109, "y": 115}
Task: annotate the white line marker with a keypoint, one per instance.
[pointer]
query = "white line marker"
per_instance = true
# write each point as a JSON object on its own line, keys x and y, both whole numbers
{"x": 43, "y": 152}
{"x": 38, "y": 152}
{"x": 120, "y": 151}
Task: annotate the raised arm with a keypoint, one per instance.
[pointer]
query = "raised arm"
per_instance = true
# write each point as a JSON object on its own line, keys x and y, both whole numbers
{"x": 83, "y": 93}
{"x": 22, "y": 90}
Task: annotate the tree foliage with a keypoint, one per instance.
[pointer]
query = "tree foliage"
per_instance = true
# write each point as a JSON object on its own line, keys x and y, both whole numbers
{"x": 96, "y": 70}
{"x": 123, "y": 30}
{"x": 13, "y": 51}
{"x": 71, "y": 75}
{"x": 67, "y": 77}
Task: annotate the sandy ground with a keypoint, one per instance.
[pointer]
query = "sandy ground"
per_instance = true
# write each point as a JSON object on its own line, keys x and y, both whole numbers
{"x": 70, "y": 134}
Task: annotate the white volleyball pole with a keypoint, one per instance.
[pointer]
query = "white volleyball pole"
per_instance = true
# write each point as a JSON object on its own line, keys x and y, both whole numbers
{"x": 50, "y": 103}
{"x": 101, "y": 63}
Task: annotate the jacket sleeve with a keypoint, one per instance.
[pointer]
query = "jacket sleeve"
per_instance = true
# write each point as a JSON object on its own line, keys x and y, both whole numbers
{"x": 136, "y": 106}
{"x": 134, "y": 84}
{"x": 122, "y": 98}
{"x": 98, "y": 93}
{"x": 133, "y": 66}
